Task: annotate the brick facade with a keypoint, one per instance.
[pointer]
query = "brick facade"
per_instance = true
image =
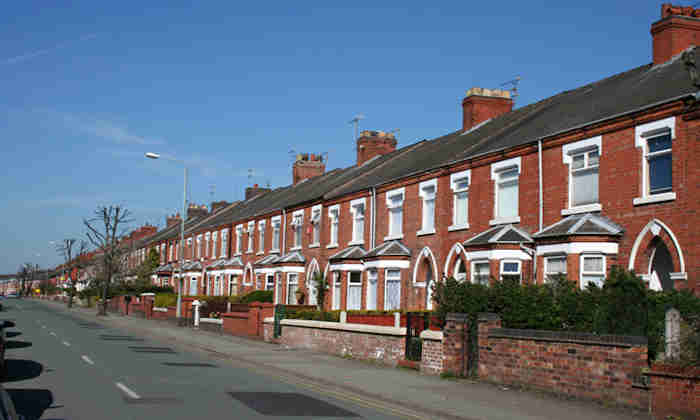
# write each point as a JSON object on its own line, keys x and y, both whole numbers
{"x": 675, "y": 391}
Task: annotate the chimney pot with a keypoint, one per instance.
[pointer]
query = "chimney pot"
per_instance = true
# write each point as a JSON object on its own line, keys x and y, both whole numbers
{"x": 482, "y": 104}
{"x": 374, "y": 143}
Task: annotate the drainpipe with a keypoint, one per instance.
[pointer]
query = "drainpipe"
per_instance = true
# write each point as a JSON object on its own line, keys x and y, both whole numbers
{"x": 284, "y": 232}
{"x": 539, "y": 171}
{"x": 373, "y": 218}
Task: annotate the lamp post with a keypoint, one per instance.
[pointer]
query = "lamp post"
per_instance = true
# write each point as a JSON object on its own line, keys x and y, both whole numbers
{"x": 178, "y": 310}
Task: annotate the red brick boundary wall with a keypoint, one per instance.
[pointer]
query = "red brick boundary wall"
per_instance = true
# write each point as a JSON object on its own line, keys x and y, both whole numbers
{"x": 366, "y": 342}
{"x": 432, "y": 355}
{"x": 247, "y": 320}
{"x": 675, "y": 391}
{"x": 605, "y": 368}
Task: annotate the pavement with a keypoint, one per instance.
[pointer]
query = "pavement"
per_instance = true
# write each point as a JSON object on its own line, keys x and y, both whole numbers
{"x": 367, "y": 389}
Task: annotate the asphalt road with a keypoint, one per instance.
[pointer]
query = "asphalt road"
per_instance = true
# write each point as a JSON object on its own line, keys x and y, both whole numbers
{"x": 63, "y": 366}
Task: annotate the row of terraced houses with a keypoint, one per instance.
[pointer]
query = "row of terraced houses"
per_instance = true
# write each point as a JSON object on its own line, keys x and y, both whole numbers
{"x": 604, "y": 174}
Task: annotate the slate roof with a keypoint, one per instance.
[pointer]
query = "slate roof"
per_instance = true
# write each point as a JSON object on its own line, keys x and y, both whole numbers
{"x": 623, "y": 93}
{"x": 582, "y": 224}
{"x": 506, "y": 234}
{"x": 349, "y": 253}
{"x": 192, "y": 266}
{"x": 389, "y": 249}
{"x": 292, "y": 257}
{"x": 235, "y": 261}
{"x": 266, "y": 260}
{"x": 217, "y": 264}
{"x": 165, "y": 268}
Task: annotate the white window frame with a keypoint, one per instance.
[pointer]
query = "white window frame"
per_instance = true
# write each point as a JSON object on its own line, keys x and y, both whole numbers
{"x": 426, "y": 195}
{"x": 232, "y": 281}
{"x": 207, "y": 244}
{"x": 336, "y": 293}
{"x": 269, "y": 276}
{"x": 316, "y": 219}
{"x": 547, "y": 263}
{"x": 214, "y": 237}
{"x": 355, "y": 206}
{"x": 456, "y": 180}
{"x": 289, "y": 282}
{"x": 347, "y": 292}
{"x": 239, "y": 238}
{"x": 473, "y": 274}
{"x": 224, "y": 243}
{"x": 297, "y": 230}
{"x": 519, "y": 273}
{"x": 386, "y": 280}
{"x": 276, "y": 223}
{"x": 575, "y": 149}
{"x": 199, "y": 246}
{"x": 261, "y": 237}
{"x": 391, "y": 208}
{"x": 591, "y": 273}
{"x": 334, "y": 223}
{"x": 371, "y": 305}
{"x": 640, "y": 141}
{"x": 496, "y": 170}
{"x": 251, "y": 237}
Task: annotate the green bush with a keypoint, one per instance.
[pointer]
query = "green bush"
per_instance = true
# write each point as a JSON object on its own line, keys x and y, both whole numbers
{"x": 264, "y": 296}
{"x": 163, "y": 300}
{"x": 333, "y": 316}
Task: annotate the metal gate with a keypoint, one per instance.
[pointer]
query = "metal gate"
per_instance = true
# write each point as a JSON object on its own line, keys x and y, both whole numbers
{"x": 416, "y": 322}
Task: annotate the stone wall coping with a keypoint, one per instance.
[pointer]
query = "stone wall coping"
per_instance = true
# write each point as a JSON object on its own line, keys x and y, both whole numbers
{"x": 148, "y": 294}
{"x": 431, "y": 335}
{"x": 235, "y": 315}
{"x": 157, "y": 309}
{"x": 487, "y": 316}
{"x": 325, "y": 325}
{"x": 570, "y": 337}
{"x": 212, "y": 320}
{"x": 459, "y": 317}
{"x": 269, "y": 320}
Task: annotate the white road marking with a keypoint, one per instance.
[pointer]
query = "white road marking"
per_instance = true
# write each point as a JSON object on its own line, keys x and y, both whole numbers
{"x": 52, "y": 333}
{"x": 127, "y": 391}
{"x": 67, "y": 344}
{"x": 87, "y": 360}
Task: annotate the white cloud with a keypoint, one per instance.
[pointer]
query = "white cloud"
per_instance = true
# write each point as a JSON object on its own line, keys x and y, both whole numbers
{"x": 109, "y": 131}
{"x": 37, "y": 53}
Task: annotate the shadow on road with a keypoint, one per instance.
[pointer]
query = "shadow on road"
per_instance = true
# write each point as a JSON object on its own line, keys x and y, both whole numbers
{"x": 11, "y": 334}
{"x": 20, "y": 370}
{"x": 12, "y": 344}
{"x": 31, "y": 403}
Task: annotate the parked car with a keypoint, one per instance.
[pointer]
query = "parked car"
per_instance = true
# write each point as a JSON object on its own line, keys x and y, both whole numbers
{"x": 7, "y": 407}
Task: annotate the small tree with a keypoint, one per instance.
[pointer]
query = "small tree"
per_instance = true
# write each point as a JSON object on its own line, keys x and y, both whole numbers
{"x": 321, "y": 285}
{"x": 25, "y": 277}
{"x": 73, "y": 254}
{"x": 104, "y": 231}
{"x": 144, "y": 271}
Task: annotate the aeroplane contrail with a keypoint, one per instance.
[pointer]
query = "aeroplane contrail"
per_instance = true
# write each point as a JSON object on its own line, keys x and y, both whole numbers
{"x": 37, "y": 53}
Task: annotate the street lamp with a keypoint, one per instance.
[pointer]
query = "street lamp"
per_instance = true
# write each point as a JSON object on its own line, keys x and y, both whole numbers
{"x": 178, "y": 310}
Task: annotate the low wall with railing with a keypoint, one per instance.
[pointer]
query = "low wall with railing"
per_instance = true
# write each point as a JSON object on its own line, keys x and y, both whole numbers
{"x": 358, "y": 341}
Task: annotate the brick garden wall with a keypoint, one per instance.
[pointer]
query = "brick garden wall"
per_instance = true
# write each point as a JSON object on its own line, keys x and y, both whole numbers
{"x": 432, "y": 356}
{"x": 675, "y": 391}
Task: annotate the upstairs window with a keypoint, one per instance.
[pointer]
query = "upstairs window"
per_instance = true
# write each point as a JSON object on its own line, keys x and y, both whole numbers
{"x": 505, "y": 174}
{"x": 459, "y": 182}
{"x": 582, "y": 158}
{"x": 427, "y": 192}
{"x": 333, "y": 215}
{"x": 261, "y": 238}
{"x": 656, "y": 141}
{"x": 214, "y": 237}
{"x": 207, "y": 244}
{"x": 394, "y": 202}
{"x": 357, "y": 209}
{"x": 251, "y": 235}
{"x": 276, "y": 221}
{"x": 239, "y": 238}
{"x": 297, "y": 224}
{"x": 224, "y": 243}
{"x": 316, "y": 226}
{"x": 200, "y": 248}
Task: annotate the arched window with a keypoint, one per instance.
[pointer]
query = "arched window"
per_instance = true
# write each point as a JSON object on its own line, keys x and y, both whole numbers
{"x": 460, "y": 272}
{"x": 661, "y": 268}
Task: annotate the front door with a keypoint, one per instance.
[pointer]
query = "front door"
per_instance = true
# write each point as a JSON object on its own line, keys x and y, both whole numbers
{"x": 193, "y": 286}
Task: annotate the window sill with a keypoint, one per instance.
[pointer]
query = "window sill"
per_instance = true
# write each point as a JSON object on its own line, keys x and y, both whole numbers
{"x": 332, "y": 246}
{"x": 260, "y": 253}
{"x": 505, "y": 220}
{"x": 656, "y": 198}
{"x": 393, "y": 238}
{"x": 237, "y": 254}
{"x": 582, "y": 209}
{"x": 274, "y": 251}
{"x": 316, "y": 245}
{"x": 425, "y": 232}
{"x": 457, "y": 227}
{"x": 295, "y": 248}
{"x": 353, "y": 243}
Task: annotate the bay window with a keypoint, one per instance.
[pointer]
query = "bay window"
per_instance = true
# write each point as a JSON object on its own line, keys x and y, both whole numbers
{"x": 336, "y": 290}
{"x": 481, "y": 272}
{"x": 371, "y": 290}
{"x": 510, "y": 270}
{"x": 554, "y": 267}
{"x": 354, "y": 290}
{"x": 292, "y": 283}
{"x": 392, "y": 289}
{"x": 592, "y": 270}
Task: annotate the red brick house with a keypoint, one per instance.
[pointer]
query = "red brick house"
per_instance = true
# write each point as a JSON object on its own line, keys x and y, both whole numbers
{"x": 596, "y": 176}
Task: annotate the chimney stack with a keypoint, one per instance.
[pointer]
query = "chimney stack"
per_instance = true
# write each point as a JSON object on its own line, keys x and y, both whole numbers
{"x": 374, "y": 143}
{"x": 196, "y": 211}
{"x": 482, "y": 104}
{"x": 251, "y": 192}
{"x": 307, "y": 167}
{"x": 218, "y": 205}
{"x": 172, "y": 220}
{"x": 677, "y": 30}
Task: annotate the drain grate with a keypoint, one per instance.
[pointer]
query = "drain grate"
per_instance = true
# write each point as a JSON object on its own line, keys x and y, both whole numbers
{"x": 289, "y": 404}
{"x": 176, "y": 364}
{"x": 139, "y": 349}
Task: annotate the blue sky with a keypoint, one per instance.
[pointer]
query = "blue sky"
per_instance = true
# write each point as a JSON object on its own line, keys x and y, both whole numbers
{"x": 89, "y": 87}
